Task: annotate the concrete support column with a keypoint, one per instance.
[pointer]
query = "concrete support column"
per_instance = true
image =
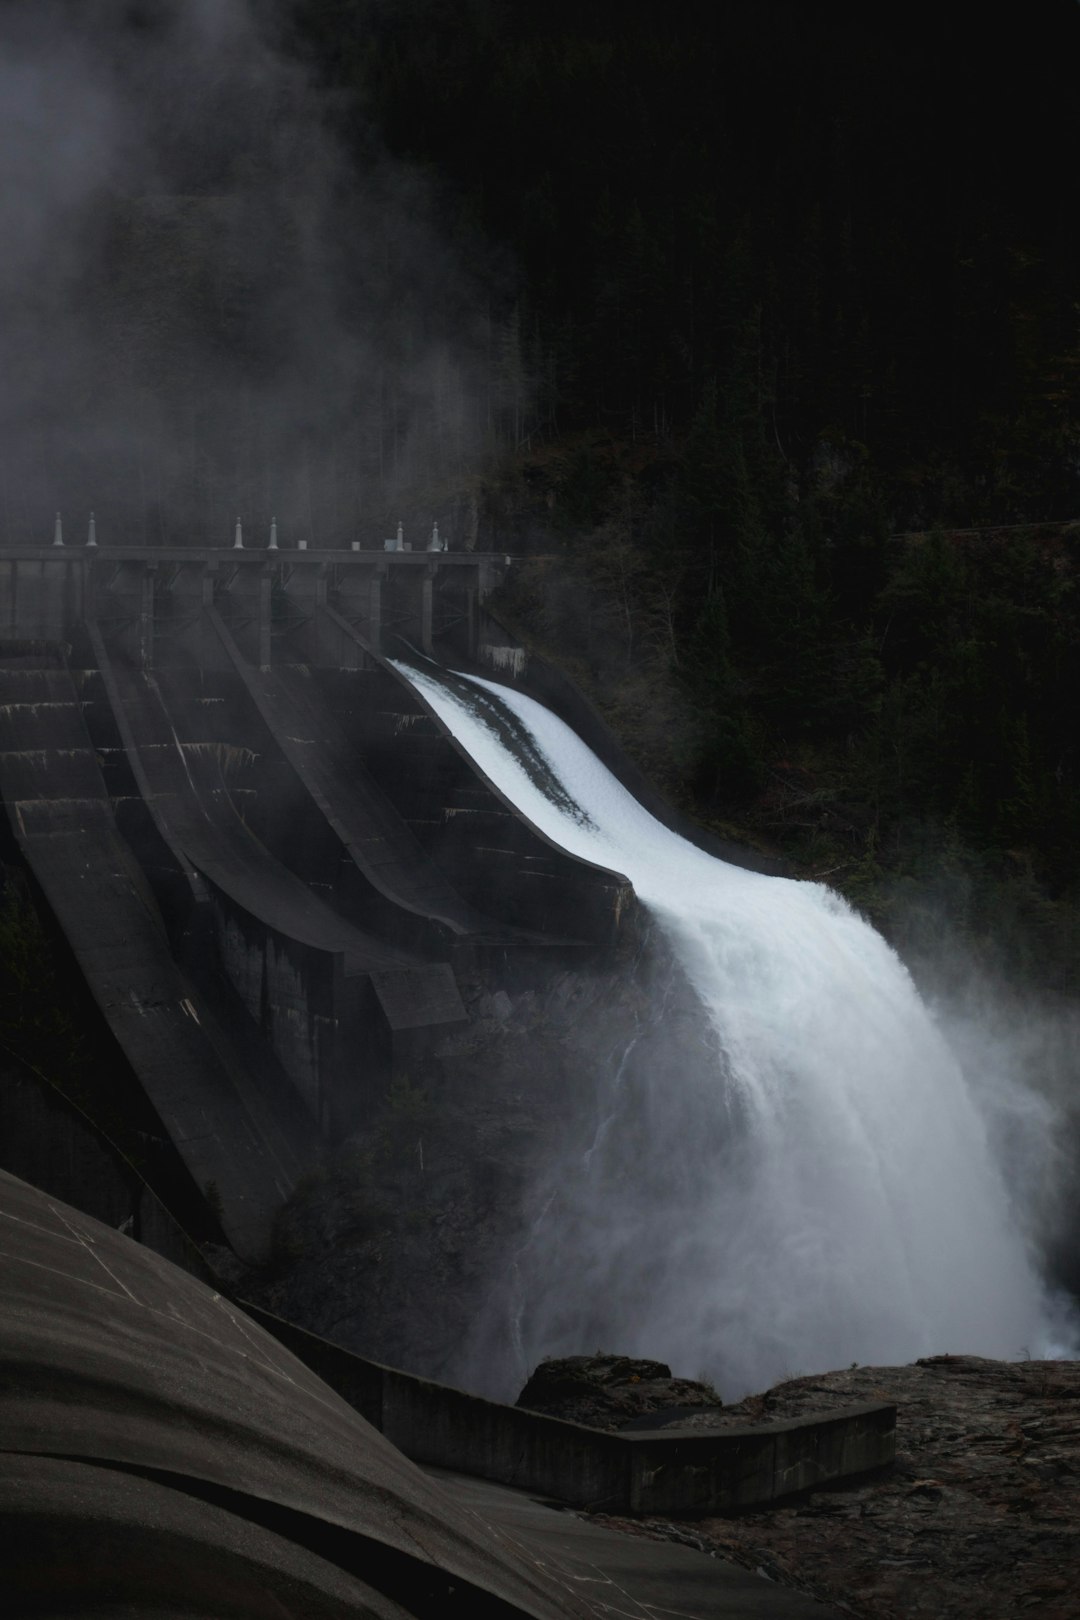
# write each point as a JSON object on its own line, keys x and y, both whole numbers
{"x": 207, "y": 636}
{"x": 472, "y": 627}
{"x": 9, "y": 595}
{"x": 80, "y": 585}
{"x": 265, "y": 583}
{"x": 427, "y": 596}
{"x": 374, "y": 624}
{"x": 323, "y": 635}
{"x": 91, "y": 575}
{"x": 146, "y": 617}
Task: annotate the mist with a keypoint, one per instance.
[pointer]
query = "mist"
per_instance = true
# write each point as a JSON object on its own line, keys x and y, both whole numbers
{"x": 1019, "y": 1050}
{"x": 821, "y": 1169}
{"x": 219, "y": 296}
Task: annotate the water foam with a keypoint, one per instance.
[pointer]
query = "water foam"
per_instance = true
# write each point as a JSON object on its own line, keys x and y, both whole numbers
{"x": 820, "y": 1189}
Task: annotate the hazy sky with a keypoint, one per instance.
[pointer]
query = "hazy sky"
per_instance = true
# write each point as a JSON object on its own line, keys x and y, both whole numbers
{"x": 204, "y": 306}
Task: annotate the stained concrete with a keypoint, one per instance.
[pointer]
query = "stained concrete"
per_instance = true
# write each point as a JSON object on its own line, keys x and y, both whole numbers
{"x": 305, "y": 973}
{"x": 668, "y": 1471}
{"x": 222, "y": 1125}
{"x": 160, "y": 1449}
{"x": 162, "y": 1452}
{"x": 616, "y": 1574}
{"x": 333, "y": 771}
{"x": 47, "y": 1140}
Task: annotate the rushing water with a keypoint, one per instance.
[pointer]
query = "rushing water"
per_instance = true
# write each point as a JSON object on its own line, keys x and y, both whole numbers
{"x": 815, "y": 1189}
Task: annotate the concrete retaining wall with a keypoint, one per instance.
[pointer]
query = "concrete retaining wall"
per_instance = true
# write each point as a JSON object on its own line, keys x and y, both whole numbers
{"x": 662, "y": 1471}
{"x": 691, "y": 1471}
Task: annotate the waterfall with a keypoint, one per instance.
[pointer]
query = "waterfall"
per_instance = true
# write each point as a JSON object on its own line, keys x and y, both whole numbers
{"x": 812, "y": 1188}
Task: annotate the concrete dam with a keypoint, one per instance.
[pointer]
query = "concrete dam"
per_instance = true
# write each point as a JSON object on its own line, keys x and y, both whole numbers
{"x": 271, "y": 859}
{"x": 245, "y": 789}
{"x": 295, "y": 834}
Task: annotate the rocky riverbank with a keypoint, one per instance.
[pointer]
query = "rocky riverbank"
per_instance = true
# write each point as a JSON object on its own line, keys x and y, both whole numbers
{"x": 978, "y": 1520}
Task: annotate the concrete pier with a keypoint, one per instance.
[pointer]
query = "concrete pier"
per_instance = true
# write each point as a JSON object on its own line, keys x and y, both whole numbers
{"x": 414, "y": 595}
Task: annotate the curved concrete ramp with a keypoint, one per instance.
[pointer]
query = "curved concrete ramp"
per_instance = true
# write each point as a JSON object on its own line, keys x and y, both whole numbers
{"x": 52, "y": 787}
{"x": 538, "y": 884}
{"x": 185, "y": 791}
{"x": 163, "y": 1454}
{"x": 382, "y": 846}
{"x": 631, "y": 1577}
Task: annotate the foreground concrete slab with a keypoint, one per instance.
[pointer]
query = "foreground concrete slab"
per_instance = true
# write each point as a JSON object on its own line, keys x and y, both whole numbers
{"x": 160, "y": 1451}
{"x": 619, "y": 1575}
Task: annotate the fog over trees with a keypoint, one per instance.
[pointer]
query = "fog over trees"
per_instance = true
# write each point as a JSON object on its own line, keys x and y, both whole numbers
{"x": 795, "y": 290}
{"x": 726, "y": 320}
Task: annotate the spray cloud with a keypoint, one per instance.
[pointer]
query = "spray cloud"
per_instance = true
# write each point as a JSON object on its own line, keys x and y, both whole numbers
{"x": 207, "y": 304}
{"x": 820, "y": 1183}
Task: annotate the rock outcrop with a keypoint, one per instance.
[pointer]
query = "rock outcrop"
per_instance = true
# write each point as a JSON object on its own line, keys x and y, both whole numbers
{"x": 615, "y": 1392}
{"x": 977, "y": 1520}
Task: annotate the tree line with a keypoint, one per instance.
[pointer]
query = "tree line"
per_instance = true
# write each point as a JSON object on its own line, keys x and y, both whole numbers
{"x": 797, "y": 292}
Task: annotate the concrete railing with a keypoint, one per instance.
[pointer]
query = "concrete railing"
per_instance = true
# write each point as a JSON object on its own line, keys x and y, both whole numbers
{"x": 660, "y": 1471}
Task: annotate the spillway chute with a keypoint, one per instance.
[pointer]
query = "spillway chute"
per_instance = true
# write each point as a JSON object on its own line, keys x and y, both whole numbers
{"x": 819, "y": 1188}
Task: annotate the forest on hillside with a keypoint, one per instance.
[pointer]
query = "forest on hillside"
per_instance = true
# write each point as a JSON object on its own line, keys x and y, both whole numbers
{"x": 752, "y": 330}
{"x": 795, "y": 294}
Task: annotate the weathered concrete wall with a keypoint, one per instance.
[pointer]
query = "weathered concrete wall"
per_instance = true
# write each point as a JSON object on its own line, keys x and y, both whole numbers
{"x": 664, "y": 1471}
{"x": 203, "y": 609}
{"x": 47, "y": 1141}
{"x": 689, "y": 1471}
{"x": 291, "y": 1001}
{"x": 300, "y": 968}
{"x": 352, "y": 840}
{"x": 371, "y": 812}
{"x": 324, "y": 1024}
{"x": 41, "y": 596}
{"x": 60, "y": 813}
{"x": 151, "y": 598}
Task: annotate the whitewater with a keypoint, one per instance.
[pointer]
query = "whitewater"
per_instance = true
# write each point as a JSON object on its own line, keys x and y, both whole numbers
{"x": 816, "y": 1187}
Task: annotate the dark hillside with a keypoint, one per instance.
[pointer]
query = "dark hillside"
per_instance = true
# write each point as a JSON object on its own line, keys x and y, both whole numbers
{"x": 795, "y": 298}
{"x": 869, "y": 201}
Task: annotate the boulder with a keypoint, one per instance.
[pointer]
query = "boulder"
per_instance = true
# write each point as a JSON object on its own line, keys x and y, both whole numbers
{"x": 614, "y": 1392}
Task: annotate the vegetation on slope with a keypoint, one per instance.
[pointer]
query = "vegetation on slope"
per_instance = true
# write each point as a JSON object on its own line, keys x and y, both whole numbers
{"x": 796, "y": 293}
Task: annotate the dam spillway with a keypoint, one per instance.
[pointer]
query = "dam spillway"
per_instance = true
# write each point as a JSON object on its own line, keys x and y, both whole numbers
{"x": 816, "y": 1188}
{"x": 271, "y": 862}
{"x": 276, "y": 851}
